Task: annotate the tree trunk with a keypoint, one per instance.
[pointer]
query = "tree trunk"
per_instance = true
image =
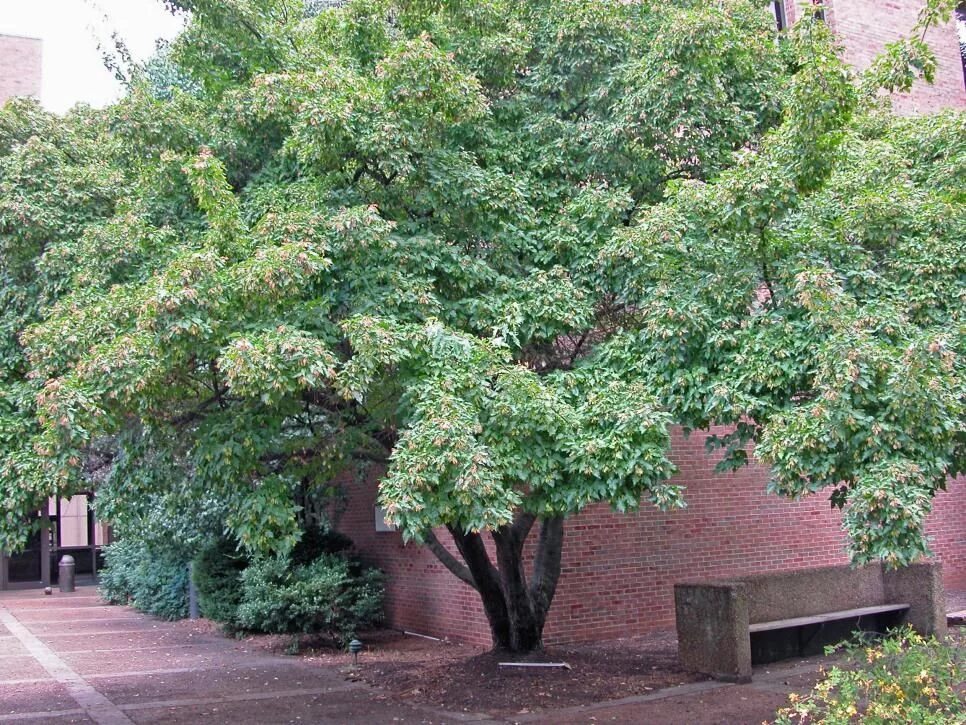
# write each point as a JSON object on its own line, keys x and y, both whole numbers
{"x": 515, "y": 608}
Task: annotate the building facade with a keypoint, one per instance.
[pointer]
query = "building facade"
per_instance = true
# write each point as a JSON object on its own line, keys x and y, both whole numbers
{"x": 619, "y": 570}
{"x": 20, "y": 67}
{"x": 864, "y": 27}
{"x": 66, "y": 525}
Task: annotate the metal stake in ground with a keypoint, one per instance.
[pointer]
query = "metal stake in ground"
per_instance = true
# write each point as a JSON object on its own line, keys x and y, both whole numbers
{"x": 559, "y": 665}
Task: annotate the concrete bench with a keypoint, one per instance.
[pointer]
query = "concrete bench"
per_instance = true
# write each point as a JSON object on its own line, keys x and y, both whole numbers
{"x": 849, "y": 614}
{"x": 726, "y": 626}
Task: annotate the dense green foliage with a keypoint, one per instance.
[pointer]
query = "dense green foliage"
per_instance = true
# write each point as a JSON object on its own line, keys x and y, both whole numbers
{"x": 905, "y": 678}
{"x": 328, "y": 596}
{"x": 318, "y": 540}
{"x": 497, "y": 247}
{"x": 216, "y": 573}
{"x": 845, "y": 370}
{"x": 316, "y": 589}
{"x": 156, "y": 583}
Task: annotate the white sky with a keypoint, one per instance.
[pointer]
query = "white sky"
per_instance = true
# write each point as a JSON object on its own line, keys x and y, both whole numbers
{"x": 72, "y": 66}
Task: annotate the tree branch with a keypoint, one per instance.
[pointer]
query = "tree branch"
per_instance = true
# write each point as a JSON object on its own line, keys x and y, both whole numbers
{"x": 522, "y": 523}
{"x": 195, "y": 414}
{"x": 546, "y": 563}
{"x": 457, "y": 568}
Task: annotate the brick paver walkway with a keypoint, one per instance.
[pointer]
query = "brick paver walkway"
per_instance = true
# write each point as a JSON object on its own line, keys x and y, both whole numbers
{"x": 68, "y": 658}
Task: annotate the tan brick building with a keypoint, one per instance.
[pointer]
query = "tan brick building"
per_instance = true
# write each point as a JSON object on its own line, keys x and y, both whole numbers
{"x": 20, "y": 66}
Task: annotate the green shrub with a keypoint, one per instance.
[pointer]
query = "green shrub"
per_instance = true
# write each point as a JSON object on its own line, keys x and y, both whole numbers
{"x": 330, "y": 596}
{"x": 318, "y": 540}
{"x": 155, "y": 583}
{"x": 905, "y": 678}
{"x": 217, "y": 576}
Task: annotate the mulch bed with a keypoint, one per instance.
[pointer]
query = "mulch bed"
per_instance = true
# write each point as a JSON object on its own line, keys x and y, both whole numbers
{"x": 466, "y": 678}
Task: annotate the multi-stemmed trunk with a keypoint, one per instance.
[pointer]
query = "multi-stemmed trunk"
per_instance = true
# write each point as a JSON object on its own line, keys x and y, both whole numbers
{"x": 516, "y": 605}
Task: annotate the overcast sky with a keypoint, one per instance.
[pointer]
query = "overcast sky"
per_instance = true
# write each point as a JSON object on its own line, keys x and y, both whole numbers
{"x": 72, "y": 66}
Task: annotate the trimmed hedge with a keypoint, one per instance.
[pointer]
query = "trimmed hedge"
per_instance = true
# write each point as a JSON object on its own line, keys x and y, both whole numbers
{"x": 329, "y": 596}
{"x": 155, "y": 583}
{"x": 317, "y": 589}
{"x": 217, "y": 577}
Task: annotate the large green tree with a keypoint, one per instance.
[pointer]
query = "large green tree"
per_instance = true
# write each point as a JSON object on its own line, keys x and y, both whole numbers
{"x": 496, "y": 248}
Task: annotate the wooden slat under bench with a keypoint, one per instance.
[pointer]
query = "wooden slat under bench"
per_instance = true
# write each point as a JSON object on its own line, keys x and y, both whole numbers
{"x": 827, "y": 617}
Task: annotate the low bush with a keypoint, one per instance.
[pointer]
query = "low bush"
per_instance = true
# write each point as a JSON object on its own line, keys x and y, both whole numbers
{"x": 330, "y": 596}
{"x": 217, "y": 576}
{"x": 153, "y": 582}
{"x": 904, "y": 678}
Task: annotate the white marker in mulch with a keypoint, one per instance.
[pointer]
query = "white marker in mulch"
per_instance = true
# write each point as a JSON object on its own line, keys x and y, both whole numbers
{"x": 423, "y": 636}
{"x": 558, "y": 665}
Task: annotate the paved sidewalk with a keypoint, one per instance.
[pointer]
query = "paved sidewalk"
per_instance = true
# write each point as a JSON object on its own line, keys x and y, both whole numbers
{"x": 67, "y": 658}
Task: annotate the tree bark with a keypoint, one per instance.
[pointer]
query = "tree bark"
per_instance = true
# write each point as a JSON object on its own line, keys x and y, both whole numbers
{"x": 546, "y": 565}
{"x": 516, "y": 609}
{"x": 487, "y": 578}
{"x": 526, "y": 631}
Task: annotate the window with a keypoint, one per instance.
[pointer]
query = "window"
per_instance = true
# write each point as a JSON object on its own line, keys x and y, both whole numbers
{"x": 381, "y": 523}
{"x": 818, "y": 7}
{"x": 778, "y": 9}
{"x": 74, "y": 522}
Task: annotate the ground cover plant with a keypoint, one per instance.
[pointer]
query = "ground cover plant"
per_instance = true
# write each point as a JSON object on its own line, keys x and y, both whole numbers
{"x": 494, "y": 249}
{"x": 903, "y": 678}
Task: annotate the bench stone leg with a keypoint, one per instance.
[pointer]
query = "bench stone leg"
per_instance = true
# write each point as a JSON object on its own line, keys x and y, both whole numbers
{"x": 921, "y": 585}
{"x": 712, "y": 624}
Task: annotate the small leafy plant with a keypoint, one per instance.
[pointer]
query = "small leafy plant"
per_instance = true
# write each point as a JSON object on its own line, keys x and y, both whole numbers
{"x": 904, "y": 678}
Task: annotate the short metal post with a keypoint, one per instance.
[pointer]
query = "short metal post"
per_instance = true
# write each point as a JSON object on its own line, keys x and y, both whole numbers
{"x": 66, "y": 572}
{"x": 45, "y": 553}
{"x": 193, "y": 611}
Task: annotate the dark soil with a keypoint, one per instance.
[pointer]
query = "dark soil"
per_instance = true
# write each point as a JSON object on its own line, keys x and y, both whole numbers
{"x": 465, "y": 678}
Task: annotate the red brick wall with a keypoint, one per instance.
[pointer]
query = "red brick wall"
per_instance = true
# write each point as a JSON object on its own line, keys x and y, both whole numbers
{"x": 20, "y": 67}
{"x": 947, "y": 529}
{"x": 865, "y": 26}
{"x": 619, "y": 570}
